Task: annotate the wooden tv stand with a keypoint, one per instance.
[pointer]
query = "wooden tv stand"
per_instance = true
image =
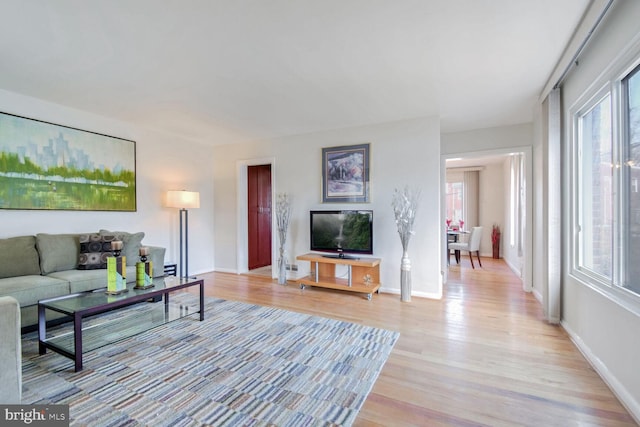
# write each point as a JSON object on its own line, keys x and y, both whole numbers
{"x": 324, "y": 274}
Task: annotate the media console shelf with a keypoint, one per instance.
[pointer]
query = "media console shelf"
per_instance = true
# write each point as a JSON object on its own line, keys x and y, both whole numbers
{"x": 363, "y": 274}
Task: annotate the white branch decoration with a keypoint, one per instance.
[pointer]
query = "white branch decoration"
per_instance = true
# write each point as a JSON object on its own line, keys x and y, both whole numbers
{"x": 405, "y": 204}
{"x": 283, "y": 214}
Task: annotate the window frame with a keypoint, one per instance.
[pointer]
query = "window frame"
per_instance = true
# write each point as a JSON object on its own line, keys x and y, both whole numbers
{"x": 623, "y": 187}
{"x": 455, "y": 178}
{"x": 577, "y": 186}
{"x": 610, "y": 82}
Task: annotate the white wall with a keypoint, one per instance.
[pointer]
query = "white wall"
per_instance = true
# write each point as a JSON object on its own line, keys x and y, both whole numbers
{"x": 605, "y": 331}
{"x": 511, "y": 255}
{"x": 489, "y": 139}
{"x": 493, "y": 196}
{"x": 163, "y": 162}
{"x": 402, "y": 153}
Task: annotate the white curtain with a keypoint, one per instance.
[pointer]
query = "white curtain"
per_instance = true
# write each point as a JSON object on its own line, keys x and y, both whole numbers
{"x": 517, "y": 203}
{"x": 470, "y": 199}
{"x": 552, "y": 125}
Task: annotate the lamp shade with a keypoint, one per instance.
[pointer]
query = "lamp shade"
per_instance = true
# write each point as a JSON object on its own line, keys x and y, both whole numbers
{"x": 183, "y": 199}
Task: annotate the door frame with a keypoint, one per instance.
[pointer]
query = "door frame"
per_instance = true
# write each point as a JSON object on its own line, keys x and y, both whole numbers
{"x": 242, "y": 209}
{"x": 527, "y": 273}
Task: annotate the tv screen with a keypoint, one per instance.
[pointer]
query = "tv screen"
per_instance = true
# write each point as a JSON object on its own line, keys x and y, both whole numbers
{"x": 342, "y": 232}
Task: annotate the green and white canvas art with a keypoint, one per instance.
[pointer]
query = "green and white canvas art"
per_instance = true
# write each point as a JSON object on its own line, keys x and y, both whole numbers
{"x": 49, "y": 166}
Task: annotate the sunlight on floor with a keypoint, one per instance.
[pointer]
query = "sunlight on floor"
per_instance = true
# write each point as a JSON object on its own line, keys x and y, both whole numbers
{"x": 262, "y": 271}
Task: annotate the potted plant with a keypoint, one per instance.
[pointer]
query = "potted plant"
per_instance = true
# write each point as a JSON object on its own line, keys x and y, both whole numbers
{"x": 495, "y": 241}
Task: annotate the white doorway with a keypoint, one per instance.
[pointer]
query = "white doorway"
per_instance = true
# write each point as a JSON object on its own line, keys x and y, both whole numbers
{"x": 242, "y": 230}
{"x": 500, "y": 200}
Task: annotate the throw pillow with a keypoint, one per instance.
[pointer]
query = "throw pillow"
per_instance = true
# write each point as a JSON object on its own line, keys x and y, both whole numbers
{"x": 18, "y": 257}
{"x": 94, "y": 251}
{"x": 131, "y": 244}
{"x": 58, "y": 252}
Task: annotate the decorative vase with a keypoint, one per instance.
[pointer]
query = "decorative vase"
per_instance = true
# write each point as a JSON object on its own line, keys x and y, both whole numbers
{"x": 116, "y": 274}
{"x": 282, "y": 268}
{"x": 283, "y": 213}
{"x": 405, "y": 204}
{"x": 405, "y": 278}
{"x": 495, "y": 241}
{"x": 144, "y": 271}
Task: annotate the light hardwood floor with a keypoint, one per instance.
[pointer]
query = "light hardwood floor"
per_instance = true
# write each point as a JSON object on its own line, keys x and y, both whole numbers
{"x": 483, "y": 355}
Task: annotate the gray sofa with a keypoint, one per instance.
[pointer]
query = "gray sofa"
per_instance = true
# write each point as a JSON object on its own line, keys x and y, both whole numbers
{"x": 51, "y": 265}
{"x": 10, "y": 352}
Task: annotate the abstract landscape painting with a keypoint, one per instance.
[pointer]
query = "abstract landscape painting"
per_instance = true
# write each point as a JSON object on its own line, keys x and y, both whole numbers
{"x": 49, "y": 166}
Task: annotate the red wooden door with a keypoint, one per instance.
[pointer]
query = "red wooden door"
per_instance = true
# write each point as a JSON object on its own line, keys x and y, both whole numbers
{"x": 259, "y": 200}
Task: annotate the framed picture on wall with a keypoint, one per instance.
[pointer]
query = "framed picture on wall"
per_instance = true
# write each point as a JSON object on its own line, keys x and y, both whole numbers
{"x": 54, "y": 167}
{"x": 345, "y": 174}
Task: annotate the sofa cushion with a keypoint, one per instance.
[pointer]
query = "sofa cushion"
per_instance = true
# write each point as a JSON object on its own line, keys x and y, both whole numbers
{"x": 156, "y": 256}
{"x": 94, "y": 250}
{"x": 131, "y": 244}
{"x": 10, "y": 353}
{"x": 58, "y": 252}
{"x": 18, "y": 257}
{"x": 89, "y": 280}
{"x": 28, "y": 290}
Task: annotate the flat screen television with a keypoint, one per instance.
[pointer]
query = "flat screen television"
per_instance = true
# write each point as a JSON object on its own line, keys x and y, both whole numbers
{"x": 342, "y": 232}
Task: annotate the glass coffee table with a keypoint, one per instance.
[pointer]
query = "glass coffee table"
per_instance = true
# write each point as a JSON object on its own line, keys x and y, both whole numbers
{"x": 100, "y": 331}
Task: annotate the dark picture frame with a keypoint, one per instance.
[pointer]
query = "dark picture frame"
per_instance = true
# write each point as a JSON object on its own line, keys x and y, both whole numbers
{"x": 345, "y": 174}
{"x": 46, "y": 166}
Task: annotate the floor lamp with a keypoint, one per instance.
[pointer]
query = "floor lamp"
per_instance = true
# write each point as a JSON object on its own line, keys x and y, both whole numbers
{"x": 184, "y": 200}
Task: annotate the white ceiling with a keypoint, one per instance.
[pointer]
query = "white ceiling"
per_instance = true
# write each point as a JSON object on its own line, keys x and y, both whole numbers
{"x": 227, "y": 71}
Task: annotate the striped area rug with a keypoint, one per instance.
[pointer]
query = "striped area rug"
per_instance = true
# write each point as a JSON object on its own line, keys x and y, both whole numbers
{"x": 244, "y": 365}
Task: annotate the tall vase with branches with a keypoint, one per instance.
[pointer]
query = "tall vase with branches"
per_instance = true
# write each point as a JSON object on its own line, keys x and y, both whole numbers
{"x": 495, "y": 240}
{"x": 283, "y": 214}
{"x": 405, "y": 204}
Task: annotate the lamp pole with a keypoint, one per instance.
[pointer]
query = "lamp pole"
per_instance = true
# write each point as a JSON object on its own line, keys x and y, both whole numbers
{"x": 184, "y": 243}
{"x": 184, "y": 200}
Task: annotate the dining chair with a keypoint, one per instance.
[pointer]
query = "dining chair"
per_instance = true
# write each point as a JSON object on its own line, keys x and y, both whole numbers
{"x": 451, "y": 238}
{"x": 471, "y": 245}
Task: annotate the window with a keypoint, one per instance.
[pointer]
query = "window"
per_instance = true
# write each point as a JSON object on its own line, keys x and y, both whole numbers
{"x": 516, "y": 201}
{"x": 512, "y": 203}
{"x": 607, "y": 183}
{"x": 630, "y": 177}
{"x": 455, "y": 191}
{"x": 595, "y": 175}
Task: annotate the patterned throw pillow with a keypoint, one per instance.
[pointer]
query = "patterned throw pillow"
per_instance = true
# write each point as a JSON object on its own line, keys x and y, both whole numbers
{"x": 131, "y": 242}
{"x": 94, "y": 251}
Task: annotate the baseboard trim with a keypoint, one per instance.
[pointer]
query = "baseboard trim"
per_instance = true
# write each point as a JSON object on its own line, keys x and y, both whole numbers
{"x": 618, "y": 389}
{"x": 513, "y": 268}
{"x": 396, "y": 291}
{"x": 538, "y": 296}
